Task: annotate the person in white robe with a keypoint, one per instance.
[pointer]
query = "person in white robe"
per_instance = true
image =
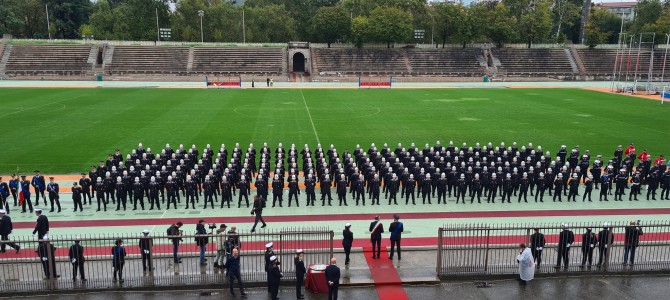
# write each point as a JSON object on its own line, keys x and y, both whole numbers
{"x": 526, "y": 264}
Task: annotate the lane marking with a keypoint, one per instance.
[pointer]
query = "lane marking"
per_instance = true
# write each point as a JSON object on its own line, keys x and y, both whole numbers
{"x": 310, "y": 117}
{"x": 43, "y": 105}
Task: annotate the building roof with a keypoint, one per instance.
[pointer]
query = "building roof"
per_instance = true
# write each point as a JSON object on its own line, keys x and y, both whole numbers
{"x": 617, "y": 4}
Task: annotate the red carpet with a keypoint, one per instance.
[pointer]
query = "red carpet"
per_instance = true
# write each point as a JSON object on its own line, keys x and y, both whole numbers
{"x": 387, "y": 280}
{"x": 354, "y": 217}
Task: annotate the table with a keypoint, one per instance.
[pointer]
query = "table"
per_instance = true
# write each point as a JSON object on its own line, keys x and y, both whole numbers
{"x": 316, "y": 281}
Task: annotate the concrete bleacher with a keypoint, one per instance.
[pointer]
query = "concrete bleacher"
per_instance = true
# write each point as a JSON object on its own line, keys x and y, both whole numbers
{"x": 238, "y": 60}
{"x": 360, "y": 61}
{"x": 446, "y": 62}
{"x": 601, "y": 62}
{"x": 533, "y": 62}
{"x": 148, "y": 60}
{"x": 48, "y": 60}
{"x": 598, "y": 61}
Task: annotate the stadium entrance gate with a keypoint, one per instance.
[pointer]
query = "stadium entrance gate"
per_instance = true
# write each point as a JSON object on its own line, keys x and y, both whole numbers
{"x": 298, "y": 62}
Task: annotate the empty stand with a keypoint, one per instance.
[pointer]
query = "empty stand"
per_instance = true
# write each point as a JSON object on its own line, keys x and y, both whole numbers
{"x": 48, "y": 60}
{"x": 361, "y": 61}
{"x": 148, "y": 60}
{"x": 238, "y": 60}
{"x": 533, "y": 62}
{"x": 446, "y": 62}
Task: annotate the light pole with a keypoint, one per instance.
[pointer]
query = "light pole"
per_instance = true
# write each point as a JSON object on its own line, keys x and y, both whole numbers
{"x": 432, "y": 32}
{"x": 201, "y": 13}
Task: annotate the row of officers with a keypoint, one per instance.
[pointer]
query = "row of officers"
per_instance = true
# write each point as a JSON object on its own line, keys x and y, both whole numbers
{"x": 461, "y": 185}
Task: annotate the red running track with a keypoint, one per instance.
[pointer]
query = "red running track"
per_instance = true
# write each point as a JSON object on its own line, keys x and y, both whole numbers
{"x": 358, "y": 217}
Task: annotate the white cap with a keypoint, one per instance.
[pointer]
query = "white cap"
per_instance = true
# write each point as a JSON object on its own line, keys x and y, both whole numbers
{"x": 269, "y": 245}
{"x": 605, "y": 224}
{"x": 145, "y": 231}
{"x": 347, "y": 225}
{"x": 2, "y": 211}
{"x": 273, "y": 258}
{"x": 299, "y": 251}
{"x": 38, "y": 210}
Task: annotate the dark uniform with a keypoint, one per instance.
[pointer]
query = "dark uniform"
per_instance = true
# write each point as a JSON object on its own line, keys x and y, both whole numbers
{"x": 396, "y": 229}
{"x": 100, "y": 194}
{"x": 146, "y": 249}
{"x": 376, "y": 230}
{"x": 374, "y": 190}
{"x": 300, "y": 272}
{"x": 326, "y": 184}
{"x": 565, "y": 240}
{"x": 154, "y": 188}
{"x": 39, "y": 184}
{"x": 275, "y": 280}
{"x": 268, "y": 264}
{"x": 258, "y": 211}
{"x": 42, "y": 226}
{"x": 537, "y": 242}
{"x": 76, "y": 197}
{"x": 77, "y": 260}
{"x": 310, "y": 185}
{"x": 293, "y": 191}
{"x": 121, "y": 195}
{"x": 589, "y": 242}
{"x": 25, "y": 189}
{"x": 588, "y": 188}
{"x": 6, "y": 228}
{"x": 210, "y": 189}
{"x": 347, "y": 242}
{"x": 605, "y": 240}
{"x": 53, "y": 190}
{"x": 138, "y": 194}
{"x": 47, "y": 253}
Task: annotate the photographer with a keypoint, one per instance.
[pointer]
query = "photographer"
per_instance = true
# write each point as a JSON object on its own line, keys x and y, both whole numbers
{"x": 221, "y": 240}
{"x": 174, "y": 233}
{"x": 201, "y": 240}
{"x": 631, "y": 241}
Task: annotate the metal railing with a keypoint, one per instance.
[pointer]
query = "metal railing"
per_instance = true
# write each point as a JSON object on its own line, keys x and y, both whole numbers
{"x": 482, "y": 249}
{"x": 27, "y": 270}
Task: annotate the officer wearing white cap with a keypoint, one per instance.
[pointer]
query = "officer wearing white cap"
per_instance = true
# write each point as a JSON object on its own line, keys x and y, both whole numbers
{"x": 269, "y": 253}
{"x": 47, "y": 254}
{"x": 42, "y": 225}
{"x": 100, "y": 189}
{"x": 146, "y": 249}
{"x": 6, "y": 228}
{"x": 154, "y": 189}
{"x": 77, "y": 259}
{"x": 605, "y": 239}
{"x": 53, "y": 190}
{"x": 565, "y": 240}
{"x": 274, "y": 277}
{"x": 300, "y": 272}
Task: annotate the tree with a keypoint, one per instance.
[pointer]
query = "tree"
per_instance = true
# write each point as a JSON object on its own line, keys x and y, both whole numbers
{"x": 389, "y": 25}
{"x": 593, "y": 35}
{"x": 102, "y": 21}
{"x": 646, "y": 12}
{"x": 605, "y": 22}
{"x": 500, "y": 25}
{"x": 660, "y": 27}
{"x": 535, "y": 22}
{"x": 331, "y": 24}
{"x": 360, "y": 31}
{"x": 566, "y": 12}
{"x": 68, "y": 16}
{"x": 270, "y": 24}
{"x": 450, "y": 20}
{"x": 11, "y": 20}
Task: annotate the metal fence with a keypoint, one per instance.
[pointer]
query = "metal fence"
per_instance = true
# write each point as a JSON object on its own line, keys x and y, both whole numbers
{"x": 27, "y": 271}
{"x": 481, "y": 249}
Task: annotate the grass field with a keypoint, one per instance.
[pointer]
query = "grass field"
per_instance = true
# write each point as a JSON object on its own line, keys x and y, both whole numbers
{"x": 67, "y": 130}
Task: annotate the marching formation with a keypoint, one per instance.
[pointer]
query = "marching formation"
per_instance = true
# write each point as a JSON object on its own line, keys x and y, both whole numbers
{"x": 478, "y": 173}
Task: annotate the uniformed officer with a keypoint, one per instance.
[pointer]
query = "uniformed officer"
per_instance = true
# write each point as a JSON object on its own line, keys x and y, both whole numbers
{"x": 172, "y": 192}
{"x": 39, "y": 184}
{"x": 442, "y": 189}
{"x": 524, "y": 184}
{"x": 6, "y": 228}
{"x": 310, "y": 186}
{"x": 565, "y": 240}
{"x": 25, "y": 190}
{"x": 492, "y": 188}
{"x": 347, "y": 241}
{"x": 121, "y": 193}
{"x": 574, "y": 187}
{"x": 14, "y": 186}
{"x": 53, "y": 189}
{"x": 209, "y": 188}
{"x": 462, "y": 187}
{"x": 47, "y": 254}
{"x": 604, "y": 186}
{"x": 537, "y": 242}
{"x": 269, "y": 253}
{"x": 621, "y": 184}
{"x": 76, "y": 196}
{"x": 396, "y": 228}
{"x": 42, "y": 224}
{"x": 191, "y": 191}
{"x": 138, "y": 194}
{"x": 558, "y": 187}
{"x": 393, "y": 188}
{"x": 409, "y": 184}
{"x": 426, "y": 186}
{"x": 634, "y": 186}
{"x": 77, "y": 259}
{"x": 589, "y": 242}
{"x": 244, "y": 186}
{"x": 588, "y": 187}
{"x": 226, "y": 192}
{"x": 326, "y": 184}
{"x": 4, "y": 195}
{"x": 300, "y": 272}
{"x": 100, "y": 193}
{"x": 342, "y": 190}
{"x": 508, "y": 188}
{"x": 275, "y": 276}
{"x": 360, "y": 189}
{"x": 541, "y": 187}
{"x": 277, "y": 191}
{"x": 293, "y": 190}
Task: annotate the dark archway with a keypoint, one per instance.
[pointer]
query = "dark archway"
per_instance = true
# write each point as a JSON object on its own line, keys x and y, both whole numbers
{"x": 298, "y": 62}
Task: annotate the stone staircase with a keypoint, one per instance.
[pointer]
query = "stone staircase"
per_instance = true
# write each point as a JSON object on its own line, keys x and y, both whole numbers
{"x": 189, "y": 63}
{"x": 107, "y": 56}
{"x": 7, "y": 49}
{"x": 575, "y": 61}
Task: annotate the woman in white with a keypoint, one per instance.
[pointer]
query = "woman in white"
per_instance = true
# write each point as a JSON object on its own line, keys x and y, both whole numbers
{"x": 526, "y": 264}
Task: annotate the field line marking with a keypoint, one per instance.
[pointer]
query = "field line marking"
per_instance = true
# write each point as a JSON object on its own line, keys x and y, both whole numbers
{"x": 310, "y": 117}
{"x": 154, "y": 227}
{"x": 25, "y": 109}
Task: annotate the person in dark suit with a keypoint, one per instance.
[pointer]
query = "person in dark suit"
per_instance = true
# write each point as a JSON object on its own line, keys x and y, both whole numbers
{"x": 77, "y": 259}
{"x": 537, "y": 242}
{"x": 300, "y": 272}
{"x": 396, "y": 229}
{"x": 333, "y": 279}
{"x": 6, "y": 228}
{"x": 146, "y": 249}
{"x": 565, "y": 240}
{"x": 258, "y": 211}
{"x": 376, "y": 230}
{"x": 605, "y": 239}
{"x": 47, "y": 253}
{"x": 42, "y": 225}
{"x": 347, "y": 241}
{"x": 233, "y": 271}
{"x": 631, "y": 241}
{"x": 275, "y": 278}
{"x": 77, "y": 193}
{"x": 25, "y": 190}
{"x": 118, "y": 259}
{"x": 39, "y": 184}
{"x": 589, "y": 242}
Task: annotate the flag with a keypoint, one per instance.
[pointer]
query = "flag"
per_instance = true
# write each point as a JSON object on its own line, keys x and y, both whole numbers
{"x": 19, "y": 191}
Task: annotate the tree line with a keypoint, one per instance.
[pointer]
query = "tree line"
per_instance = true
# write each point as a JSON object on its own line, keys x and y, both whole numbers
{"x": 329, "y": 21}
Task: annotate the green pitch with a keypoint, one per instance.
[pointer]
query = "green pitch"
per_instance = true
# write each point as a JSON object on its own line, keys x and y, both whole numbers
{"x": 64, "y": 131}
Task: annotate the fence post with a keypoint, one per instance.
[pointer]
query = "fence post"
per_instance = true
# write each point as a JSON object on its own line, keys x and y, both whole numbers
{"x": 439, "y": 251}
{"x": 488, "y": 243}
{"x": 332, "y": 236}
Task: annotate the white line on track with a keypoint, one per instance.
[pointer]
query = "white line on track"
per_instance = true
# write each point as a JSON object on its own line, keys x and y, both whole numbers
{"x": 152, "y": 228}
{"x": 310, "y": 117}
{"x": 43, "y": 105}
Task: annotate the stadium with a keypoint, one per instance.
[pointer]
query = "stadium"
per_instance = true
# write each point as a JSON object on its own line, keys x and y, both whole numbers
{"x": 301, "y": 125}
